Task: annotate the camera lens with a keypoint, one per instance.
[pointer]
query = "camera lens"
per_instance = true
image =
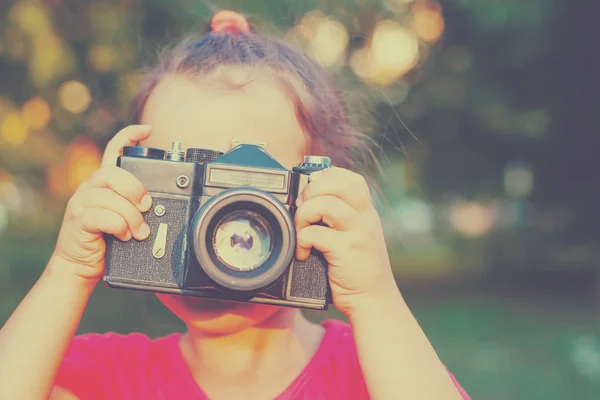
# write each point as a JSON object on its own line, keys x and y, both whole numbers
{"x": 242, "y": 240}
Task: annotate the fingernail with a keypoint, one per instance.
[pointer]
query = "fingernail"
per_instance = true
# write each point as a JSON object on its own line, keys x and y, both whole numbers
{"x": 146, "y": 202}
{"x": 315, "y": 175}
{"x": 146, "y": 127}
{"x": 299, "y": 199}
{"x": 144, "y": 231}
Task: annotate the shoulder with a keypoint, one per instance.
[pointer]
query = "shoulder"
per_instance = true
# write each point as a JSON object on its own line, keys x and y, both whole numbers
{"x": 93, "y": 362}
{"x": 334, "y": 371}
{"x": 339, "y": 333}
{"x": 339, "y": 347}
{"x": 112, "y": 349}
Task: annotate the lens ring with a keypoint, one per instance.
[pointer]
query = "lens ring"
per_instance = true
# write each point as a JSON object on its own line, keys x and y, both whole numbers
{"x": 242, "y": 240}
{"x": 284, "y": 238}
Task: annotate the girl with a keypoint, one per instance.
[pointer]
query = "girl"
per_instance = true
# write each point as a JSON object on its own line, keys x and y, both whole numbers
{"x": 230, "y": 84}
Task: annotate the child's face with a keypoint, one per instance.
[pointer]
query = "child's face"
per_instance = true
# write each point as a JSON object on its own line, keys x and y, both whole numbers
{"x": 209, "y": 113}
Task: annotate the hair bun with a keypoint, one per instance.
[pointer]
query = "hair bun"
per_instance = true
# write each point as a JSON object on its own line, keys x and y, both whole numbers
{"x": 226, "y": 21}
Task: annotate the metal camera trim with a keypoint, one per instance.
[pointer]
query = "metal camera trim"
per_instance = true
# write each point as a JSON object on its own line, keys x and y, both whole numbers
{"x": 261, "y": 277}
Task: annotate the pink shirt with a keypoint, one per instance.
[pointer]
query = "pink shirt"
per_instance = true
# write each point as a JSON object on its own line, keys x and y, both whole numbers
{"x": 127, "y": 367}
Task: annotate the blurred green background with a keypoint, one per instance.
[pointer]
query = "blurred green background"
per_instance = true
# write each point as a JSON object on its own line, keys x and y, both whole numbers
{"x": 489, "y": 117}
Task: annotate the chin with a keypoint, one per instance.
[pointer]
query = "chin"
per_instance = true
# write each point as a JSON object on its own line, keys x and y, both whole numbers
{"x": 217, "y": 317}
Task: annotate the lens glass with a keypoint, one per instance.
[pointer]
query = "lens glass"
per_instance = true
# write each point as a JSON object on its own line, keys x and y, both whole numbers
{"x": 243, "y": 240}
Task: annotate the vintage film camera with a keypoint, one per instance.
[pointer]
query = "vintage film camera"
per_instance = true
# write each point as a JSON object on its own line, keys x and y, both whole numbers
{"x": 222, "y": 227}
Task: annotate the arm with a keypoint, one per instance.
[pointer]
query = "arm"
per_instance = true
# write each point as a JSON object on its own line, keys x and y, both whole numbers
{"x": 34, "y": 340}
{"x": 396, "y": 357}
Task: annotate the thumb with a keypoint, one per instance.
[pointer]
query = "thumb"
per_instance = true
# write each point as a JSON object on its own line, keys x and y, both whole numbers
{"x": 128, "y": 136}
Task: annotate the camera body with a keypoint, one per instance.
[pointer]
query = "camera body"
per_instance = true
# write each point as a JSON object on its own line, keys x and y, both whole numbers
{"x": 222, "y": 227}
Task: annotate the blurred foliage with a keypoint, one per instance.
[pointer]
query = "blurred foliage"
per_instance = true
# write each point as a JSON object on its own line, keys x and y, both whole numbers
{"x": 487, "y": 114}
{"x": 484, "y": 109}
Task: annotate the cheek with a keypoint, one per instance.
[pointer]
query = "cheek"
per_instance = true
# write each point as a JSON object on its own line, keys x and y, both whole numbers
{"x": 216, "y": 316}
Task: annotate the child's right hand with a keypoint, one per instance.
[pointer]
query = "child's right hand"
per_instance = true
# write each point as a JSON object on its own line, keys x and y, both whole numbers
{"x": 112, "y": 202}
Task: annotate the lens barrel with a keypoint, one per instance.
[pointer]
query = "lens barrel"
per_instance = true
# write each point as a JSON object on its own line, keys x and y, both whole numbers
{"x": 243, "y": 238}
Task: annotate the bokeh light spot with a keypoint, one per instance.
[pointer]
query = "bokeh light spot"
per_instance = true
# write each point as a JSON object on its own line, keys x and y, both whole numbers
{"x": 393, "y": 51}
{"x": 395, "y": 48}
{"x": 518, "y": 180}
{"x": 428, "y": 23}
{"x": 472, "y": 219}
{"x": 329, "y": 43}
{"x": 323, "y": 37}
{"x": 101, "y": 58}
{"x": 74, "y": 96}
{"x": 32, "y": 17}
{"x": 82, "y": 158}
{"x": 13, "y": 129}
{"x": 36, "y": 113}
{"x": 51, "y": 57}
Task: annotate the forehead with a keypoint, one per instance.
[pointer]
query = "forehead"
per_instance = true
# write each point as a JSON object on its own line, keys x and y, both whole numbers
{"x": 212, "y": 112}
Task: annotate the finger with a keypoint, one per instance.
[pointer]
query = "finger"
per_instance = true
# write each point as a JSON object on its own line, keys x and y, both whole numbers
{"x": 319, "y": 237}
{"x": 123, "y": 183}
{"x": 128, "y": 136}
{"x": 339, "y": 182}
{"x": 101, "y": 220}
{"x": 333, "y": 211}
{"x": 110, "y": 200}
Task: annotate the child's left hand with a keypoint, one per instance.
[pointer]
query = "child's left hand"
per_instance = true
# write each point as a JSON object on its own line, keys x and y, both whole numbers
{"x": 352, "y": 242}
